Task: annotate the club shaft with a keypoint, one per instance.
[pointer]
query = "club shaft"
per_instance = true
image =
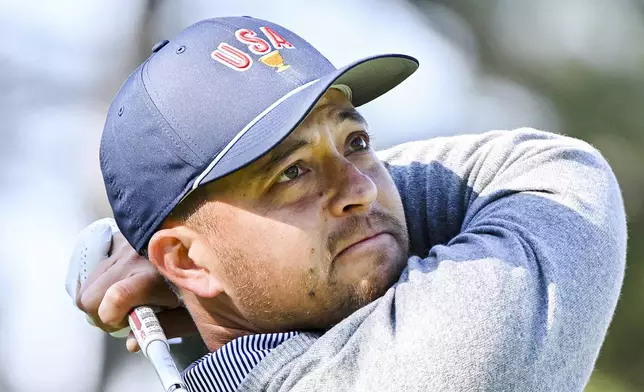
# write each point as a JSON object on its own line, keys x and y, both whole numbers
{"x": 153, "y": 343}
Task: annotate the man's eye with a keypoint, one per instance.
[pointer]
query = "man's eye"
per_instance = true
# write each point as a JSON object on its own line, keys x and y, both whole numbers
{"x": 359, "y": 142}
{"x": 291, "y": 173}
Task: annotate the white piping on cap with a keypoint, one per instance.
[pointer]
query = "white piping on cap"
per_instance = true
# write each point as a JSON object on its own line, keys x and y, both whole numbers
{"x": 243, "y": 131}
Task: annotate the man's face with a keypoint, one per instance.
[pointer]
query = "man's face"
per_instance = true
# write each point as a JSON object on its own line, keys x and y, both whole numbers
{"x": 310, "y": 232}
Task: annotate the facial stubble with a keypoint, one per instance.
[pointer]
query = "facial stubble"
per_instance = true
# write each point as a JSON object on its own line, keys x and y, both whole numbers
{"x": 318, "y": 297}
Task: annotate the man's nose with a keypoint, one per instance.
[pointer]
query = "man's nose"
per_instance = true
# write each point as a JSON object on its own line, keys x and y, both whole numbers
{"x": 353, "y": 191}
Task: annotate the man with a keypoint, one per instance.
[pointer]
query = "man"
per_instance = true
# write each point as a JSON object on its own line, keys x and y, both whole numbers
{"x": 235, "y": 161}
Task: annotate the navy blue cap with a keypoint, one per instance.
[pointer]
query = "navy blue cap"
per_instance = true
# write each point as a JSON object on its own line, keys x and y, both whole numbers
{"x": 217, "y": 97}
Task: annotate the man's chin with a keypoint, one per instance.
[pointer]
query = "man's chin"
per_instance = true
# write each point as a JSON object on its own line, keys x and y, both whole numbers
{"x": 377, "y": 280}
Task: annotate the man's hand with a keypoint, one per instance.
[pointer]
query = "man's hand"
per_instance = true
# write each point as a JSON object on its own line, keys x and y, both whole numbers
{"x": 122, "y": 281}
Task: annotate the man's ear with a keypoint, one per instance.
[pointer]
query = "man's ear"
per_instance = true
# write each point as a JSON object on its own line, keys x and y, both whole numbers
{"x": 185, "y": 258}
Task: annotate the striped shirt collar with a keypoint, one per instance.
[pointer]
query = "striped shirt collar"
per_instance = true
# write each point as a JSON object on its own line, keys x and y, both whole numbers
{"x": 225, "y": 369}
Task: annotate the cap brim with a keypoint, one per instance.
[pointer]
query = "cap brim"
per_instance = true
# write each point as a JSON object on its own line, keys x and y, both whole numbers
{"x": 368, "y": 79}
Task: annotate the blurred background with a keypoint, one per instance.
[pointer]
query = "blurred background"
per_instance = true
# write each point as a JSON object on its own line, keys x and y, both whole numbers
{"x": 570, "y": 66}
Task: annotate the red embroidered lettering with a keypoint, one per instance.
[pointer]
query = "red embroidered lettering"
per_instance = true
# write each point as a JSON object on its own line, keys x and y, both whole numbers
{"x": 277, "y": 40}
{"x": 250, "y": 38}
{"x": 232, "y": 57}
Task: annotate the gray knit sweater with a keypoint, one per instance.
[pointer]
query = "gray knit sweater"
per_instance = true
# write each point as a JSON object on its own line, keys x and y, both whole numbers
{"x": 518, "y": 246}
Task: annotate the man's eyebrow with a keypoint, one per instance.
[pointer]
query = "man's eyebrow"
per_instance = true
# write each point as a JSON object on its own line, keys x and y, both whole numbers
{"x": 279, "y": 154}
{"x": 349, "y": 114}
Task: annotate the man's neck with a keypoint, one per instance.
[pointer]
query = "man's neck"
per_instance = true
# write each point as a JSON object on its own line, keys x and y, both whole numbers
{"x": 215, "y": 336}
{"x": 216, "y": 329}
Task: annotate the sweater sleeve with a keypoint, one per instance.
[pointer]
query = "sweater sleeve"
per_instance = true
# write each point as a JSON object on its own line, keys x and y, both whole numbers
{"x": 519, "y": 245}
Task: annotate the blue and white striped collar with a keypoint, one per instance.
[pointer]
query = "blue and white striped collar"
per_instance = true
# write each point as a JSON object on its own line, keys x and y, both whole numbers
{"x": 225, "y": 369}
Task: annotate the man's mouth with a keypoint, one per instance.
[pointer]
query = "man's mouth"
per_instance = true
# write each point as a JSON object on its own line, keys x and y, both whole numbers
{"x": 364, "y": 243}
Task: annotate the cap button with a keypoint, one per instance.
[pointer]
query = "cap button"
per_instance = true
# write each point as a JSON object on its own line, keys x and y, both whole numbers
{"x": 157, "y": 47}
